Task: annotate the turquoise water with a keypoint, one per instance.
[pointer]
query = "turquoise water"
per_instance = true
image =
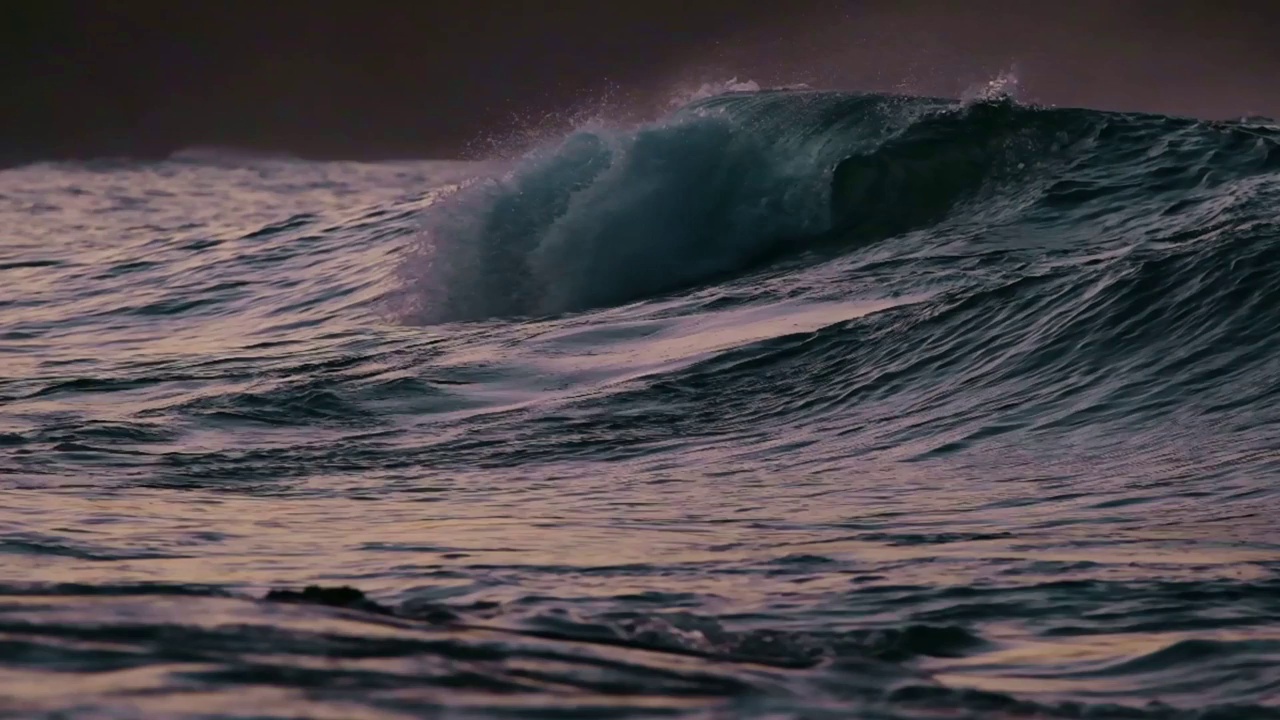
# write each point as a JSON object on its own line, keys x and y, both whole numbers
{"x": 791, "y": 404}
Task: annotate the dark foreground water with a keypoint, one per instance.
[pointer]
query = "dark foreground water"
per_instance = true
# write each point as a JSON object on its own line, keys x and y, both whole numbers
{"x": 791, "y": 405}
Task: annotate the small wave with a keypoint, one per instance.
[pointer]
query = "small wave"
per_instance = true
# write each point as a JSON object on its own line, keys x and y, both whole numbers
{"x": 41, "y": 544}
{"x": 711, "y": 89}
{"x": 225, "y": 155}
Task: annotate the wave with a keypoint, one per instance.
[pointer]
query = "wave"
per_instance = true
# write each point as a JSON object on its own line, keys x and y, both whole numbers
{"x": 731, "y": 181}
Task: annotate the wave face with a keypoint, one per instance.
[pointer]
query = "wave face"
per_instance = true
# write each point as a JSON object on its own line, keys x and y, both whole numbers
{"x": 790, "y": 404}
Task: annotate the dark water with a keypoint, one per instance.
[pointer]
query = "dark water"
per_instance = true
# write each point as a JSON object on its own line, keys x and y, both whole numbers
{"x": 791, "y": 405}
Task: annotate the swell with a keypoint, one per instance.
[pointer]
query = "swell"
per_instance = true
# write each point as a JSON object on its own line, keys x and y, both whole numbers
{"x": 730, "y": 182}
{"x": 1121, "y": 353}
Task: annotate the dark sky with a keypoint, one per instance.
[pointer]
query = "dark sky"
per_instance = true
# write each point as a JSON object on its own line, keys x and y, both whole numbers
{"x": 377, "y": 78}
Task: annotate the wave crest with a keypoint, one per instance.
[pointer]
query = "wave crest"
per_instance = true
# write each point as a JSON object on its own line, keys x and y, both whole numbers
{"x": 607, "y": 217}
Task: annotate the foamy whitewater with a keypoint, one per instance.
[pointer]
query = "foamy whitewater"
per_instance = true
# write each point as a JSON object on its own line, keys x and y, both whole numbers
{"x": 790, "y": 404}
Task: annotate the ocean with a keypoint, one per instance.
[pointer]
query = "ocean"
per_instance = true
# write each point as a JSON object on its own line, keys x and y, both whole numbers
{"x": 787, "y": 404}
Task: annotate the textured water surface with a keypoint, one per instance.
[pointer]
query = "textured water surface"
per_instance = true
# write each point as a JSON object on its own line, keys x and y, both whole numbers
{"x": 792, "y": 404}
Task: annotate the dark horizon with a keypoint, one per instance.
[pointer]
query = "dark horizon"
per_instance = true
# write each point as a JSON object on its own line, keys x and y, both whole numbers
{"x": 380, "y": 80}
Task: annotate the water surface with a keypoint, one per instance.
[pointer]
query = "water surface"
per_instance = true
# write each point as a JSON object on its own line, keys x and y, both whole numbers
{"x": 791, "y": 404}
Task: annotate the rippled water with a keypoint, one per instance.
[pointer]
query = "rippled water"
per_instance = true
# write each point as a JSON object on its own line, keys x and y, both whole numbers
{"x": 789, "y": 405}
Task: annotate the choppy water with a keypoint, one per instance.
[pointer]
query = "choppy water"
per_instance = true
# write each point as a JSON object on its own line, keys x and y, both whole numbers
{"x": 653, "y": 423}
